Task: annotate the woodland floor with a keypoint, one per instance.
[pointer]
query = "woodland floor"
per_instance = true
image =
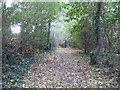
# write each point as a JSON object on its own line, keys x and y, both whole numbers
{"x": 65, "y": 68}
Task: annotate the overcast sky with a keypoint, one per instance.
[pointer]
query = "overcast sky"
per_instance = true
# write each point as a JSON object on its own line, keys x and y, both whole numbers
{"x": 9, "y": 2}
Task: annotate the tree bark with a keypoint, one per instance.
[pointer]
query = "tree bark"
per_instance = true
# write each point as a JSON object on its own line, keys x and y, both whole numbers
{"x": 119, "y": 41}
{"x": 49, "y": 25}
{"x": 48, "y": 41}
{"x": 96, "y": 48}
{"x": 3, "y": 21}
{"x": 97, "y": 23}
{"x": 4, "y": 6}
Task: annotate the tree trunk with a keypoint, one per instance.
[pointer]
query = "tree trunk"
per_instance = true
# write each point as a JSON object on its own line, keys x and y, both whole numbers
{"x": 3, "y": 22}
{"x": 97, "y": 24}
{"x": 96, "y": 48}
{"x": 119, "y": 41}
{"x": 49, "y": 25}
{"x": 48, "y": 41}
{"x": 4, "y": 6}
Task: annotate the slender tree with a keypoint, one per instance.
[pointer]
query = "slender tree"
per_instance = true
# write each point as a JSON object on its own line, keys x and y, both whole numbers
{"x": 97, "y": 29}
{"x": 48, "y": 41}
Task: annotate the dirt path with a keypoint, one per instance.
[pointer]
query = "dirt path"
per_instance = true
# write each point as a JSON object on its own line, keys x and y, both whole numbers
{"x": 60, "y": 69}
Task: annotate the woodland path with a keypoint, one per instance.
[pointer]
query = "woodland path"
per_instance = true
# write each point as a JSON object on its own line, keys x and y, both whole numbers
{"x": 65, "y": 68}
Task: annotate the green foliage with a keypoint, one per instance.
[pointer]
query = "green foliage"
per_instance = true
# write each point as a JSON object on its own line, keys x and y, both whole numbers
{"x": 33, "y": 19}
{"x": 80, "y": 12}
{"x": 83, "y": 35}
{"x": 12, "y": 73}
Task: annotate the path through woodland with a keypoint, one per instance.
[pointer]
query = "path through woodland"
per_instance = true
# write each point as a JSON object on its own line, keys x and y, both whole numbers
{"x": 64, "y": 68}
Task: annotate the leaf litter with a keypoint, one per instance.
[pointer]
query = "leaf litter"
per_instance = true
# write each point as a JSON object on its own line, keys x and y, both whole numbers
{"x": 60, "y": 69}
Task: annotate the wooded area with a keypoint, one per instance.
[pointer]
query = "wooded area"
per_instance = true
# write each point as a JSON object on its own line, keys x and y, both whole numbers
{"x": 84, "y": 34}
